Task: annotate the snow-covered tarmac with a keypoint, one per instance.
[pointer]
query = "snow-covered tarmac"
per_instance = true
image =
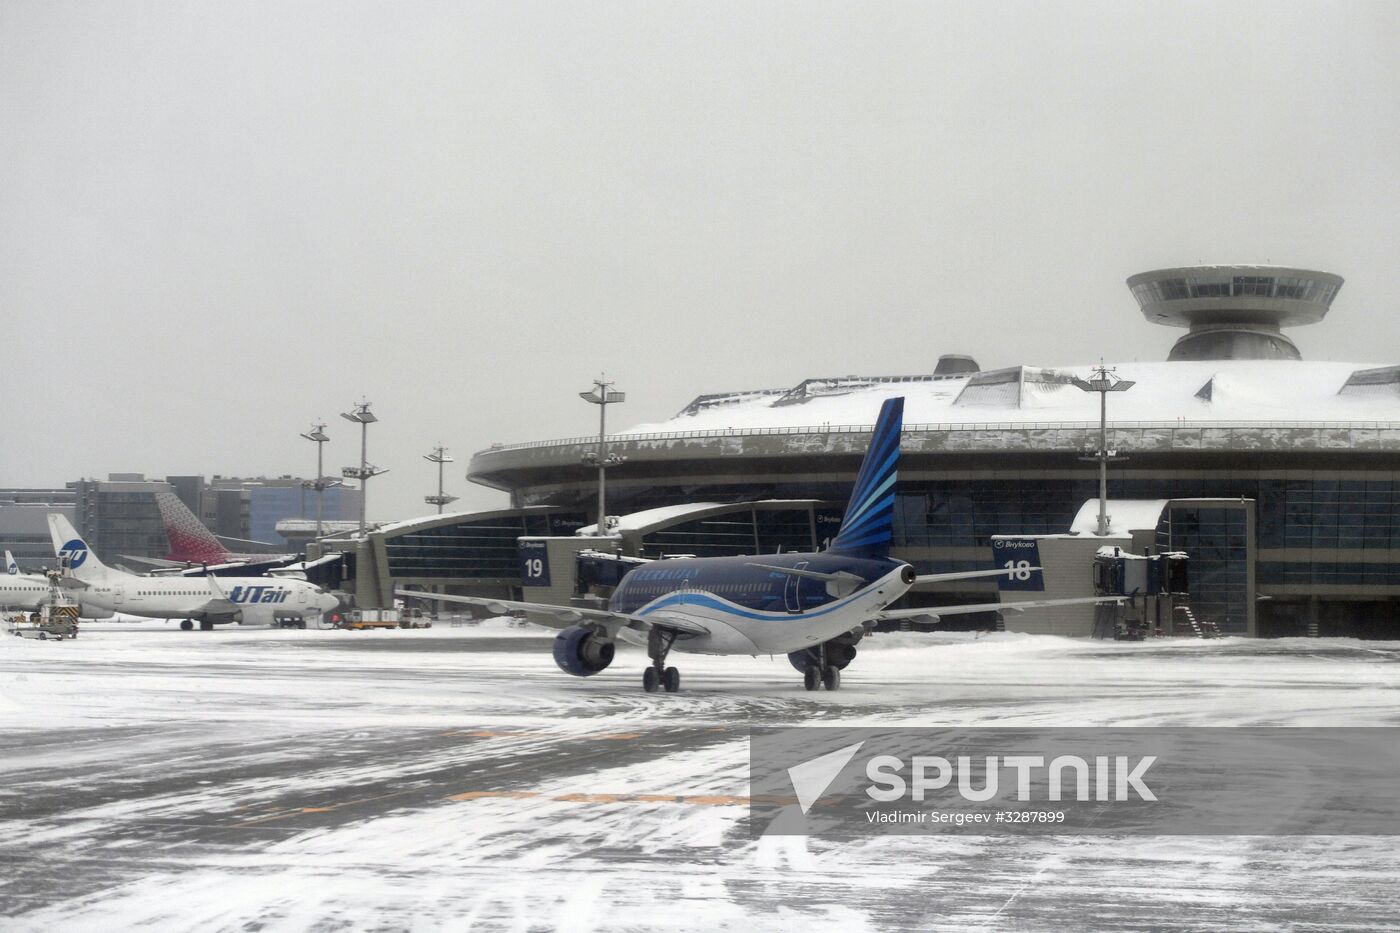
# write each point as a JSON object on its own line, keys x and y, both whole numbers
{"x": 454, "y": 778}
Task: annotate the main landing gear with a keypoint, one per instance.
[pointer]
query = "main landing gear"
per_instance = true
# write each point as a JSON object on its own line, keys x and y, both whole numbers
{"x": 659, "y": 644}
{"x": 186, "y": 625}
{"x": 820, "y": 674}
{"x": 821, "y": 665}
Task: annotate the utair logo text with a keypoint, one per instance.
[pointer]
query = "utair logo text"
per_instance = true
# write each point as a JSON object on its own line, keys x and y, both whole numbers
{"x": 258, "y": 594}
{"x": 73, "y": 553}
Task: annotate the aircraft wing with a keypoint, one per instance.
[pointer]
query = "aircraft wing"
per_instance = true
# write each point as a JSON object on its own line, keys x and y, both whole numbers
{"x": 561, "y": 617}
{"x": 935, "y": 612}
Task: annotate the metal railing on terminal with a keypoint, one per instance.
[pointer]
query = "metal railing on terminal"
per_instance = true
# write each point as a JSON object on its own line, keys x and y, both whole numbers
{"x": 963, "y": 426}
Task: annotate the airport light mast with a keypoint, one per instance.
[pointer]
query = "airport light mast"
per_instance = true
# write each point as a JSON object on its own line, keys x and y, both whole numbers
{"x": 439, "y": 456}
{"x": 603, "y": 395}
{"x": 1103, "y": 380}
{"x": 319, "y": 436}
{"x": 364, "y": 417}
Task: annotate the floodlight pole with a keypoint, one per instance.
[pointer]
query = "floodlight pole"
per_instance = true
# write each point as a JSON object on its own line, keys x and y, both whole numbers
{"x": 365, "y": 418}
{"x": 318, "y": 435}
{"x": 602, "y": 395}
{"x": 1103, "y": 380}
{"x": 438, "y": 456}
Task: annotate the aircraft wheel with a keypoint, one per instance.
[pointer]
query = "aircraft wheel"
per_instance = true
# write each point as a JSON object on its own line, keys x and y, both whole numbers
{"x": 651, "y": 679}
{"x": 812, "y": 678}
{"x": 671, "y": 678}
{"x": 186, "y": 625}
{"x": 205, "y": 625}
{"x": 831, "y": 678}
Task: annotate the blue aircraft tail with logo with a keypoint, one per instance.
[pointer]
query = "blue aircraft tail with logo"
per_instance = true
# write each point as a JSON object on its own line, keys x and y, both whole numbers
{"x": 11, "y": 566}
{"x": 74, "y": 555}
{"x": 868, "y": 527}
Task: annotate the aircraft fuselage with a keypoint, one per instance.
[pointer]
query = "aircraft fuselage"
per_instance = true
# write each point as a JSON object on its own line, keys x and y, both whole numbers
{"x": 756, "y": 610}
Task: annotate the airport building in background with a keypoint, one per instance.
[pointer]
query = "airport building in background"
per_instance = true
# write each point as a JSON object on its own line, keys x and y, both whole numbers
{"x": 119, "y": 515}
{"x": 1279, "y": 476}
{"x": 24, "y": 523}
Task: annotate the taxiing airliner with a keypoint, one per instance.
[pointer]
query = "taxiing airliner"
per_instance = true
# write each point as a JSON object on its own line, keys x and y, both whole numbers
{"x": 207, "y": 600}
{"x": 813, "y": 607}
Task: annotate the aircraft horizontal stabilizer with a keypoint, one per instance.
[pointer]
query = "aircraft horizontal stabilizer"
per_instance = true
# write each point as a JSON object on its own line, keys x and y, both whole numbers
{"x": 839, "y": 575}
{"x": 968, "y": 575}
{"x": 934, "y": 612}
{"x": 838, "y": 584}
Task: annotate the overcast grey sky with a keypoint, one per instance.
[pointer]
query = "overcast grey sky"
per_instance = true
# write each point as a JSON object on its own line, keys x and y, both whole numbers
{"x": 219, "y": 221}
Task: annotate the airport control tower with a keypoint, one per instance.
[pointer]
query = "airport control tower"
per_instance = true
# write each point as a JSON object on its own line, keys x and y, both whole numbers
{"x": 1234, "y": 312}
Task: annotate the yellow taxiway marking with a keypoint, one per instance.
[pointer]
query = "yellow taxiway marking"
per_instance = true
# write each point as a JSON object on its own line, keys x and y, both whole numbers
{"x": 619, "y": 736}
{"x": 718, "y": 801}
{"x": 271, "y": 816}
{"x": 590, "y": 798}
{"x": 297, "y": 811}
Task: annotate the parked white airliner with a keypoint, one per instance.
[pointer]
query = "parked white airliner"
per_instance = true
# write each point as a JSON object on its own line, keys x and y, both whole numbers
{"x": 208, "y": 600}
{"x": 21, "y": 590}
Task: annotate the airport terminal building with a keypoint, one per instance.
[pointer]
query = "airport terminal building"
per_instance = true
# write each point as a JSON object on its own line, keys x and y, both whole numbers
{"x": 1279, "y": 476}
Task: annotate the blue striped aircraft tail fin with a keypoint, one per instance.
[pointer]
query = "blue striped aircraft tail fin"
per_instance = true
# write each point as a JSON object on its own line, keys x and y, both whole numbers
{"x": 868, "y": 527}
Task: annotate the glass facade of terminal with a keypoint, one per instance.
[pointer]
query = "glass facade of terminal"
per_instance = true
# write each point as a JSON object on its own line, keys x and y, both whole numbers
{"x": 744, "y": 531}
{"x": 1305, "y": 513}
{"x": 1313, "y": 535}
{"x": 1217, "y": 540}
{"x": 473, "y": 549}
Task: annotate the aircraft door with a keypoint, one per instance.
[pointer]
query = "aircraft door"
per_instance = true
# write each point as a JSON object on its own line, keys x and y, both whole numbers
{"x": 301, "y": 596}
{"x": 118, "y": 592}
{"x": 792, "y": 590}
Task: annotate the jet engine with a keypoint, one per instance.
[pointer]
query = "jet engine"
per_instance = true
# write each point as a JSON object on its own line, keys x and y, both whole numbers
{"x": 579, "y": 651}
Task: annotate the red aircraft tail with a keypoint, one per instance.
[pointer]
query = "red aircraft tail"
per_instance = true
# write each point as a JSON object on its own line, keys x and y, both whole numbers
{"x": 188, "y": 538}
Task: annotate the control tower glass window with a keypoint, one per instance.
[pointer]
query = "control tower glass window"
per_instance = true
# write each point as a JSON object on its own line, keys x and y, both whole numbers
{"x": 1239, "y": 286}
